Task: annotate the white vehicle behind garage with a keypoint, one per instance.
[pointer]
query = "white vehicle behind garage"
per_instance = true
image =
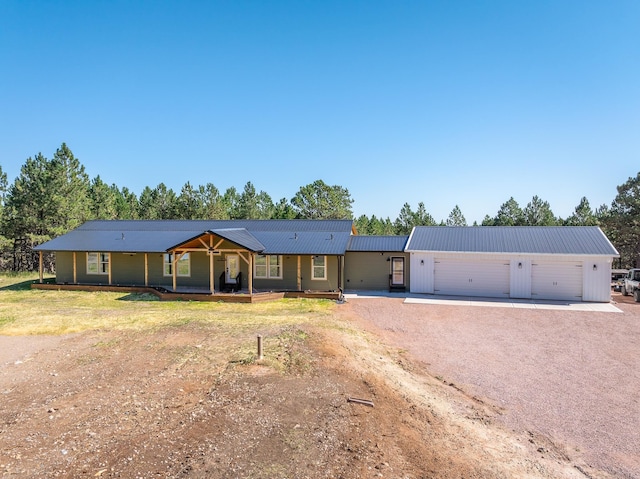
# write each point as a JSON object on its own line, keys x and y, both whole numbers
{"x": 632, "y": 284}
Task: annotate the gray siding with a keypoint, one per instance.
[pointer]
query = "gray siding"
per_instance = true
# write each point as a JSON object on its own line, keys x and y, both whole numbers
{"x": 155, "y": 271}
{"x": 199, "y": 277}
{"x": 370, "y": 271}
{"x": 289, "y": 281}
{"x": 127, "y": 269}
{"x": 64, "y": 267}
{"x": 330, "y": 284}
{"x": 81, "y": 271}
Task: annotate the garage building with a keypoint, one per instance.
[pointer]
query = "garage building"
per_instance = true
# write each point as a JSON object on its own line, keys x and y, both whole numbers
{"x": 571, "y": 263}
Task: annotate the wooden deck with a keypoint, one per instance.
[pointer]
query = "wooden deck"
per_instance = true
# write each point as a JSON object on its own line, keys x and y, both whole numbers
{"x": 193, "y": 294}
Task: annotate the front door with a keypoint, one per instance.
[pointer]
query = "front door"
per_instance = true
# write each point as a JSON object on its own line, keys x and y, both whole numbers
{"x": 232, "y": 268}
{"x": 397, "y": 271}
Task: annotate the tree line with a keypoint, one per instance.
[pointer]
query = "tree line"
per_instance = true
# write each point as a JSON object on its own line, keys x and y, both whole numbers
{"x": 53, "y": 196}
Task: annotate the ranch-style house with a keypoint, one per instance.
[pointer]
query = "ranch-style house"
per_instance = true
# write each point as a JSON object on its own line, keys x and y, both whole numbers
{"x": 261, "y": 259}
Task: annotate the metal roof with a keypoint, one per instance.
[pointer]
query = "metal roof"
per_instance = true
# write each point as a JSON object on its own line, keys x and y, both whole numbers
{"x": 377, "y": 243}
{"x": 305, "y": 242}
{"x": 120, "y": 241}
{"x": 241, "y": 237}
{"x": 570, "y": 240}
{"x": 205, "y": 225}
{"x": 156, "y": 236}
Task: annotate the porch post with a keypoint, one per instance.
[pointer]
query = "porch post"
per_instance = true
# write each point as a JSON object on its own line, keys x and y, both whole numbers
{"x": 75, "y": 269}
{"x": 251, "y": 274}
{"x": 299, "y": 276}
{"x": 211, "y": 275}
{"x": 146, "y": 269}
{"x": 340, "y": 271}
{"x": 41, "y": 266}
{"x": 110, "y": 268}
{"x": 174, "y": 271}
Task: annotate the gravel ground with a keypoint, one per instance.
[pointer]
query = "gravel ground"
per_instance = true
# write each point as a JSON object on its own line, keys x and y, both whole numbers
{"x": 571, "y": 377}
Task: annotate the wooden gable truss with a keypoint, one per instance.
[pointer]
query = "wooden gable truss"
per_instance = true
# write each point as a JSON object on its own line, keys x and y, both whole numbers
{"x": 214, "y": 246}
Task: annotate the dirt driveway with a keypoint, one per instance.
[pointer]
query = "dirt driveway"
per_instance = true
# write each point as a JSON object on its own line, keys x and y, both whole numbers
{"x": 572, "y": 378}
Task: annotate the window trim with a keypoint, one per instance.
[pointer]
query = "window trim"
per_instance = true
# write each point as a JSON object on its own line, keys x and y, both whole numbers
{"x": 102, "y": 264}
{"x": 323, "y": 266}
{"x": 185, "y": 257}
{"x": 268, "y": 265}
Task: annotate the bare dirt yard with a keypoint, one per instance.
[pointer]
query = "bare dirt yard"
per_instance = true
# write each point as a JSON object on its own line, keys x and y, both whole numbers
{"x": 457, "y": 392}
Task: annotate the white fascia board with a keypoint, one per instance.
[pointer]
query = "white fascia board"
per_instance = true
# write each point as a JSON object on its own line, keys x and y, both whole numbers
{"x": 409, "y": 242}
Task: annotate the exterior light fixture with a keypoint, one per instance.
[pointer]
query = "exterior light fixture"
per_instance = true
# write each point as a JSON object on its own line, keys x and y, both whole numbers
{"x": 519, "y": 265}
{"x": 595, "y": 267}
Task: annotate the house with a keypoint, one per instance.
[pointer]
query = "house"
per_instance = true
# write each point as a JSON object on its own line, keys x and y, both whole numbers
{"x": 300, "y": 257}
{"x": 205, "y": 256}
{"x": 531, "y": 262}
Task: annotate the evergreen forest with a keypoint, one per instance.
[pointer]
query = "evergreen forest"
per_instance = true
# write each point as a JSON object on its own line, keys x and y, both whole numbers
{"x": 52, "y": 196}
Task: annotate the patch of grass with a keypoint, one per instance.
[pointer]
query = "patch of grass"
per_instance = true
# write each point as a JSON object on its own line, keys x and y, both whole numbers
{"x": 5, "y": 320}
{"x": 24, "y": 311}
{"x": 19, "y": 281}
{"x": 139, "y": 297}
{"x": 110, "y": 343}
{"x": 294, "y": 439}
{"x": 287, "y": 352}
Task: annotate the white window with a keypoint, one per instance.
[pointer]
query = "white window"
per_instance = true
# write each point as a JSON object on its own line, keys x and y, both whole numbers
{"x": 97, "y": 263}
{"x": 319, "y": 267}
{"x": 268, "y": 266}
{"x": 183, "y": 266}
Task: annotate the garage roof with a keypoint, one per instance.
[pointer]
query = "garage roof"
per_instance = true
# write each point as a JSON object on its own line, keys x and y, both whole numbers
{"x": 570, "y": 240}
{"x": 157, "y": 236}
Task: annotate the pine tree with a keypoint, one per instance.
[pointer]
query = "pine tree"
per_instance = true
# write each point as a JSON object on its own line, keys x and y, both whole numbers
{"x": 127, "y": 205}
{"x": 583, "y": 215}
{"x": 68, "y": 191}
{"x": 623, "y": 222}
{"x": 189, "y": 204}
{"x": 509, "y": 214}
{"x": 283, "y": 210}
{"x": 103, "y": 200}
{"x": 320, "y": 201}
{"x": 405, "y": 221}
{"x": 456, "y": 218}
{"x": 28, "y": 213}
{"x": 213, "y": 205}
{"x": 538, "y": 213}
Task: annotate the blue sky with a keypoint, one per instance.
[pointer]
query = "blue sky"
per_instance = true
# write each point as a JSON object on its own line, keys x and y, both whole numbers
{"x": 444, "y": 102}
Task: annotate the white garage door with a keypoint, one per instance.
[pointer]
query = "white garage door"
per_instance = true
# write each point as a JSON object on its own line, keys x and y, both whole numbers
{"x": 477, "y": 278}
{"x": 556, "y": 281}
